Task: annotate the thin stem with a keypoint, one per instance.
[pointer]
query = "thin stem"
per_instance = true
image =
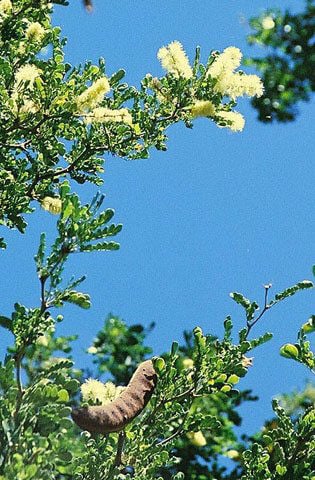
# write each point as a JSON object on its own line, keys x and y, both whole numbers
{"x": 43, "y": 305}
{"x": 250, "y": 324}
{"x": 175, "y": 434}
{"x": 18, "y": 374}
{"x": 58, "y": 173}
{"x": 172, "y": 116}
{"x": 167, "y": 400}
{"x": 180, "y": 395}
{"x": 18, "y": 146}
{"x": 168, "y": 439}
{"x": 120, "y": 446}
{"x": 18, "y": 362}
{"x": 118, "y": 457}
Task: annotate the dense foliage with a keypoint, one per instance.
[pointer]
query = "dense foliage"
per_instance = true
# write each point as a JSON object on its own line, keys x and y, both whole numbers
{"x": 288, "y": 67}
{"x": 56, "y": 122}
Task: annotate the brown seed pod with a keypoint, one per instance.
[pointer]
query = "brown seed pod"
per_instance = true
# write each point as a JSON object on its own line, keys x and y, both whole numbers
{"x": 117, "y": 414}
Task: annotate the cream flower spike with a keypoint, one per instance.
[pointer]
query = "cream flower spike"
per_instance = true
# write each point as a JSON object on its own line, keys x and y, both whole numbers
{"x": 174, "y": 60}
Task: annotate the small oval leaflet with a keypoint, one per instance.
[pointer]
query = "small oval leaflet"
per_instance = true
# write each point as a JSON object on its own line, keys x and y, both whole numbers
{"x": 117, "y": 414}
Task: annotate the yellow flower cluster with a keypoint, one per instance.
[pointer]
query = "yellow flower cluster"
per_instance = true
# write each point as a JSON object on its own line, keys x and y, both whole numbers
{"x": 35, "y": 32}
{"x": 51, "y": 204}
{"x": 202, "y": 108}
{"x": 174, "y": 59}
{"x": 237, "y": 85}
{"x": 95, "y": 391}
{"x": 227, "y": 82}
{"x": 230, "y": 83}
{"x": 235, "y": 120}
{"x": 27, "y": 73}
{"x": 226, "y": 62}
{"x": 106, "y": 115}
{"x": 5, "y": 7}
{"x": 27, "y": 106}
{"x": 93, "y": 95}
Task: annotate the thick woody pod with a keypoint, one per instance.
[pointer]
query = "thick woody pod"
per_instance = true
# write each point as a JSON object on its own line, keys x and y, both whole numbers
{"x": 118, "y": 413}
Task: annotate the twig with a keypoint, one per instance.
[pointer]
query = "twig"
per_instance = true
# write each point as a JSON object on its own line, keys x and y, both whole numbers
{"x": 21, "y": 146}
{"x": 167, "y": 400}
{"x": 264, "y": 310}
{"x": 118, "y": 457}
{"x": 43, "y": 306}
{"x": 176, "y": 433}
{"x": 18, "y": 361}
{"x": 168, "y": 439}
{"x": 18, "y": 373}
{"x": 57, "y": 173}
{"x": 120, "y": 446}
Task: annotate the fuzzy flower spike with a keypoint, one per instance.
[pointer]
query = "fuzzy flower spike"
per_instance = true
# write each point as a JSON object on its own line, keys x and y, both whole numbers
{"x": 174, "y": 59}
{"x": 92, "y": 96}
{"x": 231, "y": 83}
{"x": 226, "y": 62}
{"x": 5, "y": 7}
{"x": 96, "y": 392}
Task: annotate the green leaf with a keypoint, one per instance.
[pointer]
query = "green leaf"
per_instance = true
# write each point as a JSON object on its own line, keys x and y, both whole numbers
{"x": 245, "y": 346}
{"x": 100, "y": 247}
{"x": 293, "y": 290}
{"x": 239, "y": 298}
{"x": 281, "y": 470}
{"x": 289, "y": 351}
{"x": 39, "y": 257}
{"x": 78, "y": 298}
{"x": 6, "y": 322}
{"x": 63, "y": 396}
{"x": 174, "y": 348}
{"x": 309, "y": 326}
{"x": 228, "y": 326}
{"x": 251, "y": 310}
{"x": 116, "y": 77}
{"x": 159, "y": 364}
{"x": 242, "y": 334}
{"x": 262, "y": 339}
{"x": 65, "y": 456}
{"x": 73, "y": 385}
{"x": 64, "y": 189}
{"x": 196, "y": 60}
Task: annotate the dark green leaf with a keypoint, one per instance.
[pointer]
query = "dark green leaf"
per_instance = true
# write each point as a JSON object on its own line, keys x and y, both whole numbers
{"x": 293, "y": 290}
{"x": 6, "y": 322}
{"x": 116, "y": 77}
{"x": 239, "y": 298}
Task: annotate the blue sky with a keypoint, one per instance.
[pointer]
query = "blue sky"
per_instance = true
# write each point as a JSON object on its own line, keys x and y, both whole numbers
{"x": 218, "y": 212}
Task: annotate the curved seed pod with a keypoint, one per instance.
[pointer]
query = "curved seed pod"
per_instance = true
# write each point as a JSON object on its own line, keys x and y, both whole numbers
{"x": 117, "y": 414}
